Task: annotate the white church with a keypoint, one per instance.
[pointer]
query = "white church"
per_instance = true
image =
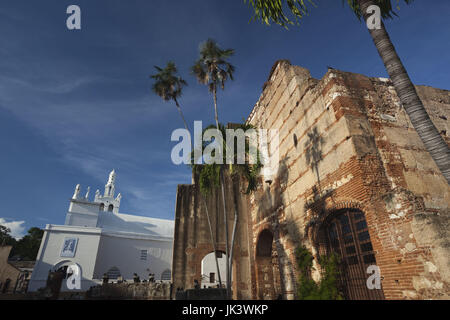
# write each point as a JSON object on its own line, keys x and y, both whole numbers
{"x": 100, "y": 240}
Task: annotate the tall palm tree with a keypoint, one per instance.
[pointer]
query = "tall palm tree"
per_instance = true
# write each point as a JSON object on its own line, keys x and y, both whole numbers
{"x": 210, "y": 178}
{"x": 213, "y": 70}
{"x": 169, "y": 85}
{"x": 274, "y": 10}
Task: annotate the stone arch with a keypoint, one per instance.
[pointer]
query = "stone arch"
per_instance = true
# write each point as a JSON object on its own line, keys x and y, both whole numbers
{"x": 6, "y": 285}
{"x": 208, "y": 266}
{"x": 113, "y": 273}
{"x": 330, "y": 206}
{"x": 268, "y": 283}
{"x": 166, "y": 275}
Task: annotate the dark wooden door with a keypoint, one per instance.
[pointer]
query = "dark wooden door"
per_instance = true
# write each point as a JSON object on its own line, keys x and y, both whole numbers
{"x": 348, "y": 236}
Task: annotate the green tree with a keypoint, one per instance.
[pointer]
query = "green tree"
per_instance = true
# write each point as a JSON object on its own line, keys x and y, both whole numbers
{"x": 291, "y": 11}
{"x": 5, "y": 236}
{"x": 27, "y": 247}
{"x": 169, "y": 85}
{"x": 213, "y": 70}
{"x": 210, "y": 176}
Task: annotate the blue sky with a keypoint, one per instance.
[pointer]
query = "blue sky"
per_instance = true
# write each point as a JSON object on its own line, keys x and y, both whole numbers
{"x": 76, "y": 104}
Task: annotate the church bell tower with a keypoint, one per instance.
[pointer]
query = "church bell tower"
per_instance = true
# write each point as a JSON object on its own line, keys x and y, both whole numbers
{"x": 107, "y": 201}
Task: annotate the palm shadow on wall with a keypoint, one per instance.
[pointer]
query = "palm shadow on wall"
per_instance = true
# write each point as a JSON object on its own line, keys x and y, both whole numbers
{"x": 317, "y": 202}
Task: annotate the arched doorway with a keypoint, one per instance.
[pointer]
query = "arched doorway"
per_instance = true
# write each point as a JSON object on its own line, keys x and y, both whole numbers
{"x": 113, "y": 273}
{"x": 209, "y": 276}
{"x": 346, "y": 234}
{"x": 6, "y": 285}
{"x": 267, "y": 267}
{"x": 166, "y": 275}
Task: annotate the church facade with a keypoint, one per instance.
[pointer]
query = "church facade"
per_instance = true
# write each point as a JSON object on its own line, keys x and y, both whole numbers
{"x": 100, "y": 240}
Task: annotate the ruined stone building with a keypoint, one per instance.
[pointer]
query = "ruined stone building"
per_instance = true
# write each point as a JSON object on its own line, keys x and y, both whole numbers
{"x": 354, "y": 178}
{"x": 14, "y": 274}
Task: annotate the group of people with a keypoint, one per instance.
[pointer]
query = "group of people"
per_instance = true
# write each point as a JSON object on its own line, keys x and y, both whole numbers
{"x": 136, "y": 278}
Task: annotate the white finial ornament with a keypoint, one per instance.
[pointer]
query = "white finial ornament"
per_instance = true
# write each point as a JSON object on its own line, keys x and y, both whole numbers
{"x": 87, "y": 193}
{"x": 76, "y": 194}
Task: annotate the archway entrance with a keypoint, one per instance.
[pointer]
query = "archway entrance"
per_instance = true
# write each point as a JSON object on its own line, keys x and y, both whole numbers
{"x": 347, "y": 235}
{"x": 267, "y": 267}
{"x": 209, "y": 276}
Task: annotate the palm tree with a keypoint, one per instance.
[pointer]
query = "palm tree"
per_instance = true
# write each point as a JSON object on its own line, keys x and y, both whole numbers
{"x": 210, "y": 176}
{"x": 168, "y": 85}
{"x": 273, "y": 10}
{"x": 212, "y": 69}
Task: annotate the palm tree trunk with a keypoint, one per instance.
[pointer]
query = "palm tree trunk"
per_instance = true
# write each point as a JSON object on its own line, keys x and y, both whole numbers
{"x": 227, "y": 250}
{"x": 216, "y": 116}
{"x": 233, "y": 235}
{"x": 212, "y": 241}
{"x": 204, "y": 201}
{"x": 434, "y": 143}
{"x": 181, "y": 114}
{"x": 223, "y": 198}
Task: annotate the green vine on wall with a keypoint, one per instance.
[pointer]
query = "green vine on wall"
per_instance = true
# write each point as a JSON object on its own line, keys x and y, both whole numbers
{"x": 327, "y": 287}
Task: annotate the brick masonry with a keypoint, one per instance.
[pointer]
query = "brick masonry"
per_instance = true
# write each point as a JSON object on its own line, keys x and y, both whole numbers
{"x": 344, "y": 142}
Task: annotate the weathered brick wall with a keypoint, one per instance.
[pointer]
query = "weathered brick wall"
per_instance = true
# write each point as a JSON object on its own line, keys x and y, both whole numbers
{"x": 192, "y": 239}
{"x": 7, "y": 271}
{"x": 345, "y": 142}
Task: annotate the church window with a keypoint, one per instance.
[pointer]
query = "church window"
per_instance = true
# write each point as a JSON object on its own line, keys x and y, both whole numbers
{"x": 143, "y": 254}
{"x": 113, "y": 273}
{"x": 110, "y": 208}
{"x": 166, "y": 275}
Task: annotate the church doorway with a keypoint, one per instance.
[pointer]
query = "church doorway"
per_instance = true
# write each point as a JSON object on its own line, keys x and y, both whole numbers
{"x": 267, "y": 267}
{"x": 346, "y": 234}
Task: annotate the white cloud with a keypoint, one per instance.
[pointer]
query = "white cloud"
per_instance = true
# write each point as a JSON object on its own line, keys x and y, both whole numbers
{"x": 17, "y": 228}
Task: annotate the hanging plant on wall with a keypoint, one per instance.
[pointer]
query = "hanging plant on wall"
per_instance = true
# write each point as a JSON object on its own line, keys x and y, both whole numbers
{"x": 327, "y": 287}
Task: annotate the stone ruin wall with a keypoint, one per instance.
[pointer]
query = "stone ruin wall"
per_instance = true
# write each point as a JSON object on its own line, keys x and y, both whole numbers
{"x": 371, "y": 159}
{"x": 192, "y": 239}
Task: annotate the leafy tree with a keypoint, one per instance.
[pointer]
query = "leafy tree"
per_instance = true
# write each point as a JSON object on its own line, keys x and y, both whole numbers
{"x": 326, "y": 288}
{"x": 169, "y": 85}
{"x": 27, "y": 247}
{"x": 213, "y": 70}
{"x": 290, "y": 12}
{"x": 5, "y": 236}
{"x": 210, "y": 176}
